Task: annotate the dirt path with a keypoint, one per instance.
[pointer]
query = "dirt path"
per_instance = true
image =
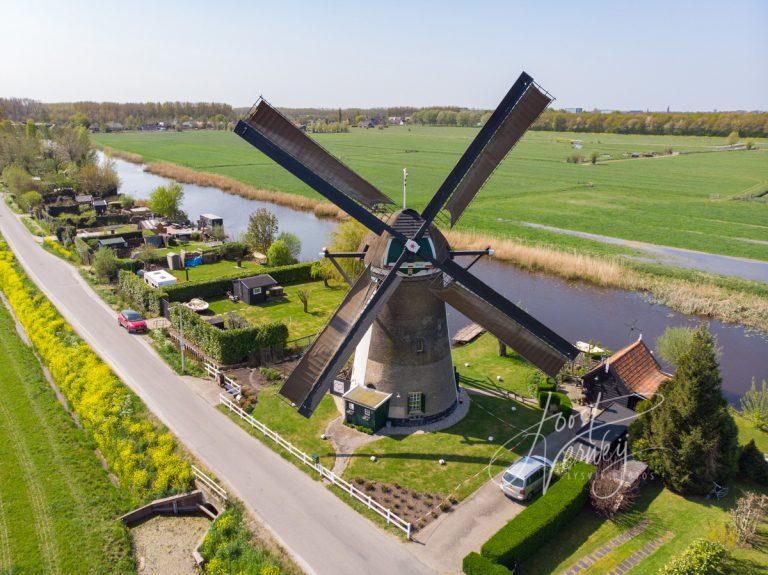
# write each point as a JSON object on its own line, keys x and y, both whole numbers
{"x": 164, "y": 545}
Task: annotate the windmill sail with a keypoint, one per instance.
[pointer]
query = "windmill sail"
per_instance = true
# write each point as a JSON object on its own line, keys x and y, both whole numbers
{"x": 282, "y": 133}
{"x": 334, "y": 345}
{"x": 525, "y": 342}
{"x": 511, "y": 129}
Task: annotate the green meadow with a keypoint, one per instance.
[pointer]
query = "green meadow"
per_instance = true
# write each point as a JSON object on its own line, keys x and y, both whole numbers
{"x": 684, "y": 200}
{"x": 58, "y": 508}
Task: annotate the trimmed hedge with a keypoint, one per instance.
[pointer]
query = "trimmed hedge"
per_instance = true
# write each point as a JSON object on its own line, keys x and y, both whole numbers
{"x": 228, "y": 346}
{"x": 476, "y": 564}
{"x": 559, "y": 400}
{"x": 538, "y": 523}
{"x": 702, "y": 557}
{"x": 142, "y": 455}
{"x": 217, "y": 287}
{"x": 136, "y": 292}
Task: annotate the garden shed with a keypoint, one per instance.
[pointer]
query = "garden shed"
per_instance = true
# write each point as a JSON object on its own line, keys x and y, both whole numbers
{"x": 366, "y": 407}
{"x": 117, "y": 243}
{"x": 209, "y": 221}
{"x": 100, "y": 206}
{"x": 255, "y": 289}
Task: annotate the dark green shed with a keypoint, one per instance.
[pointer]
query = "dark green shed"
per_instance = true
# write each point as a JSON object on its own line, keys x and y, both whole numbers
{"x": 366, "y": 407}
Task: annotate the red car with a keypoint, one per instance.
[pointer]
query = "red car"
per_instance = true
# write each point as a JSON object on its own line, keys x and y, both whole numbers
{"x": 132, "y": 321}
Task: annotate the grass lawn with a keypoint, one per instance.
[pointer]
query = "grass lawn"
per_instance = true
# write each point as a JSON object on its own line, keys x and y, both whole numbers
{"x": 747, "y": 432}
{"x": 687, "y": 517}
{"x": 58, "y": 508}
{"x": 485, "y": 364}
{"x": 213, "y": 271}
{"x": 275, "y": 412}
{"x": 412, "y": 461}
{"x": 323, "y": 301}
{"x": 682, "y": 201}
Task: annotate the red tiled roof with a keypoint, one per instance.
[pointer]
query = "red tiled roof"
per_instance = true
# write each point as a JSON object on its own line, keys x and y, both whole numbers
{"x": 636, "y": 367}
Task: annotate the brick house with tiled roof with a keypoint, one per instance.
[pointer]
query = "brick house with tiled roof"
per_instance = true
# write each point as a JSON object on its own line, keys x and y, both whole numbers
{"x": 630, "y": 375}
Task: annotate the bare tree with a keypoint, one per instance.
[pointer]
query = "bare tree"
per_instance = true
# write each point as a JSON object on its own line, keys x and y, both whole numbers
{"x": 303, "y": 295}
{"x": 749, "y": 511}
{"x": 609, "y": 492}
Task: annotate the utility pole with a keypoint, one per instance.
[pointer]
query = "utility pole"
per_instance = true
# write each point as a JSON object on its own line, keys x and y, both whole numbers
{"x": 405, "y": 181}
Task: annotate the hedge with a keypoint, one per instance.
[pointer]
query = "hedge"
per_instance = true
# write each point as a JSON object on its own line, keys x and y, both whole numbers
{"x": 538, "y": 523}
{"x": 228, "y": 346}
{"x": 138, "y": 294}
{"x": 476, "y": 564}
{"x": 702, "y": 557}
{"x": 144, "y": 457}
{"x": 559, "y": 400}
{"x": 217, "y": 287}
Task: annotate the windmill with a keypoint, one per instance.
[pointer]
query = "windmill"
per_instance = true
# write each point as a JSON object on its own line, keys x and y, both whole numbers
{"x": 394, "y": 313}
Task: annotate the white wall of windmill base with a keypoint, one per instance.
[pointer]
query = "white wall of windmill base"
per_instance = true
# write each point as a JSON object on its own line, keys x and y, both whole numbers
{"x": 361, "y": 359}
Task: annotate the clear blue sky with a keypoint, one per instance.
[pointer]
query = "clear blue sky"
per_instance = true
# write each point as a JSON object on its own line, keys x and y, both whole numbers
{"x": 639, "y": 55}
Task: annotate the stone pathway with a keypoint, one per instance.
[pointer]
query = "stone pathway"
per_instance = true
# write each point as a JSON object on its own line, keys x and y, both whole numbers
{"x": 592, "y": 558}
{"x": 648, "y": 549}
{"x": 345, "y": 441}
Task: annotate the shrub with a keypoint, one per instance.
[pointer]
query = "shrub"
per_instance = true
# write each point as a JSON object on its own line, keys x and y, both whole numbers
{"x": 29, "y": 200}
{"x": 538, "y": 523}
{"x": 105, "y": 263}
{"x": 227, "y": 548}
{"x": 56, "y": 248}
{"x": 701, "y": 557}
{"x": 142, "y": 456}
{"x": 279, "y": 254}
{"x": 476, "y": 564}
{"x": 138, "y": 294}
{"x": 674, "y": 342}
{"x": 754, "y": 405}
{"x": 231, "y": 345}
{"x": 217, "y": 287}
{"x": 270, "y": 373}
{"x": 752, "y": 464}
{"x": 558, "y": 400}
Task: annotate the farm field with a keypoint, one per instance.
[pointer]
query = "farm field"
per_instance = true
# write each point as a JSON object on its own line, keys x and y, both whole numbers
{"x": 58, "y": 508}
{"x": 683, "y": 201}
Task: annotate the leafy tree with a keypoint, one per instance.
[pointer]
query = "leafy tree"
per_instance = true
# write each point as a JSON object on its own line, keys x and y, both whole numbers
{"x": 733, "y": 138}
{"x": 262, "y": 229}
{"x": 18, "y": 180}
{"x": 279, "y": 254}
{"x": 72, "y": 144}
{"x": 674, "y": 343}
{"x": 752, "y": 463}
{"x": 754, "y": 405}
{"x": 105, "y": 264}
{"x": 166, "y": 200}
{"x": 293, "y": 242}
{"x": 126, "y": 202}
{"x": 321, "y": 269}
{"x": 687, "y": 433}
{"x": 346, "y": 238}
{"x": 30, "y": 200}
{"x": 145, "y": 254}
{"x": 97, "y": 179}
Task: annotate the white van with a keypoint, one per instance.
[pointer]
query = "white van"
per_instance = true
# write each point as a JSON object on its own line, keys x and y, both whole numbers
{"x": 525, "y": 477}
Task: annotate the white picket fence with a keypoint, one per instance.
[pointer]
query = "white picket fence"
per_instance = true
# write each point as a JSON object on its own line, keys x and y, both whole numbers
{"x": 230, "y": 384}
{"x": 209, "y": 482}
{"x": 346, "y": 486}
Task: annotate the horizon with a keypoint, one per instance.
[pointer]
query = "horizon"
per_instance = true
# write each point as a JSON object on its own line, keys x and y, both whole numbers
{"x": 297, "y": 54}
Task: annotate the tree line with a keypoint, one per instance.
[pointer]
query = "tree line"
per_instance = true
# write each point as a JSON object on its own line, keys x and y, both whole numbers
{"x": 133, "y": 115}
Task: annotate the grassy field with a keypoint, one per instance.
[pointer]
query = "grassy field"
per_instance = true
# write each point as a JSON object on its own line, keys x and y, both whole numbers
{"x": 216, "y": 270}
{"x": 412, "y": 461}
{"x": 289, "y": 309}
{"x": 687, "y": 518}
{"x": 485, "y": 364}
{"x": 682, "y": 200}
{"x": 58, "y": 508}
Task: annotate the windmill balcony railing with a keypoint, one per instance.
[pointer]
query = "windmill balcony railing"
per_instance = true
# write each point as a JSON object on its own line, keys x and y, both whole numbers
{"x": 327, "y": 474}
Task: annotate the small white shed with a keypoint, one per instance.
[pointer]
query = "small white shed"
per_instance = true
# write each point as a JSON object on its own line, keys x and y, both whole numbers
{"x": 159, "y": 278}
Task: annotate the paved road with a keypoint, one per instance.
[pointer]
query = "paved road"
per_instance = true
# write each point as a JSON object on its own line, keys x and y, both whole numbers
{"x": 323, "y": 533}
